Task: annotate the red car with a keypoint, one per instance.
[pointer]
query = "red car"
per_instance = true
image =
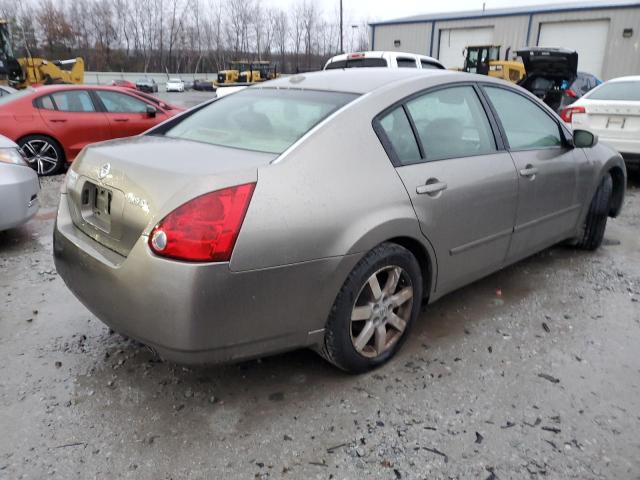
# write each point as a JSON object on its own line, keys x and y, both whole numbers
{"x": 53, "y": 123}
{"x": 124, "y": 84}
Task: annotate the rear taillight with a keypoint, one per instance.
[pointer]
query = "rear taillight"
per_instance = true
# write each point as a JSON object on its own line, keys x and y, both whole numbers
{"x": 567, "y": 113}
{"x": 204, "y": 229}
{"x": 571, "y": 92}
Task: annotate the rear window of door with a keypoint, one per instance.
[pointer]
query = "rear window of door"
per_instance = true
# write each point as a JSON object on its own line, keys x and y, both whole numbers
{"x": 406, "y": 62}
{"x": 115, "y": 102}
{"x": 397, "y": 129}
{"x": 72, "y": 101}
{"x": 451, "y": 122}
{"x": 526, "y": 125}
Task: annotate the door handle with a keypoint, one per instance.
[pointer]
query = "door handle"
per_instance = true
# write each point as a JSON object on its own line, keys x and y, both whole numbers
{"x": 529, "y": 171}
{"x": 58, "y": 120}
{"x": 120, "y": 119}
{"x": 432, "y": 187}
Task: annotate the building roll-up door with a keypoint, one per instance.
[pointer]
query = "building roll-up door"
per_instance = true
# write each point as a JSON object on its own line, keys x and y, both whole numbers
{"x": 453, "y": 41}
{"x": 588, "y": 38}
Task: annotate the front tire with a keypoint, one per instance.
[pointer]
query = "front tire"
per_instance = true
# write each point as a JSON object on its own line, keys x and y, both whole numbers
{"x": 374, "y": 310}
{"x": 596, "y": 220}
{"x": 44, "y": 154}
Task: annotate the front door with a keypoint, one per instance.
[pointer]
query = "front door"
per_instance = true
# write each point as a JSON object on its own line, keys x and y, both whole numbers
{"x": 462, "y": 187}
{"x": 548, "y": 168}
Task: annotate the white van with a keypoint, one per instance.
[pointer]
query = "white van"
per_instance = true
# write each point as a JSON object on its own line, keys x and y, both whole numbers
{"x": 382, "y": 59}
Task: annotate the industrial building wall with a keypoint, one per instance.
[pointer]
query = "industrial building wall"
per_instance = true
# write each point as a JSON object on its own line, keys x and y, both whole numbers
{"x": 414, "y": 38}
{"x": 507, "y": 31}
{"x": 622, "y": 55}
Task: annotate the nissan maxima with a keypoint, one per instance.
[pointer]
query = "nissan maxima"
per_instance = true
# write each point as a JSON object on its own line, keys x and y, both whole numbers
{"x": 323, "y": 210}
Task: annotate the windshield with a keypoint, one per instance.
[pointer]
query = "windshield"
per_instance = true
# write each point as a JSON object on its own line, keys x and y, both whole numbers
{"x": 264, "y": 120}
{"x": 629, "y": 91}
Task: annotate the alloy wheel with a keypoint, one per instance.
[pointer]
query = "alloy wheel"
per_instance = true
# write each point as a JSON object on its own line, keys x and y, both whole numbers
{"x": 381, "y": 313}
{"x": 41, "y": 156}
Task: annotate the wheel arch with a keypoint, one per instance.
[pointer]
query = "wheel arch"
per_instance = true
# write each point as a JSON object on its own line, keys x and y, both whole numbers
{"x": 423, "y": 257}
{"x": 50, "y": 137}
{"x": 619, "y": 186}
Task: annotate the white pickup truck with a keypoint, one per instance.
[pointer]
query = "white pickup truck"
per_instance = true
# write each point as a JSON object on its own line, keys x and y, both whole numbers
{"x": 382, "y": 59}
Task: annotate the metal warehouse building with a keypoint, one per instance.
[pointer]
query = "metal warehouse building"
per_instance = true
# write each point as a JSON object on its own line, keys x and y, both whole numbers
{"x": 606, "y": 35}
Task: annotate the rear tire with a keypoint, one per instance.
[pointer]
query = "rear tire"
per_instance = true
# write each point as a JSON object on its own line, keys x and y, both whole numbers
{"x": 374, "y": 310}
{"x": 43, "y": 153}
{"x": 596, "y": 220}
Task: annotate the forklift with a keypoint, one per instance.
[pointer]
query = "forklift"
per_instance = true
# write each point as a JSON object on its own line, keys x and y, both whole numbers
{"x": 485, "y": 60}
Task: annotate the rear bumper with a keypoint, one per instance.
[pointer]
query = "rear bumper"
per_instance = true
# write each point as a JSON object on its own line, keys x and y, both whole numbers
{"x": 626, "y": 147}
{"x": 198, "y": 313}
{"x": 19, "y": 187}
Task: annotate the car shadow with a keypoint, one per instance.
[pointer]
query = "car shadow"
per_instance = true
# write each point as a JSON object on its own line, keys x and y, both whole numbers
{"x": 250, "y": 391}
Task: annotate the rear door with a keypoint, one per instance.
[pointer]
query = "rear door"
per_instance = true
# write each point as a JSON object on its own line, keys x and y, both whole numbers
{"x": 548, "y": 169}
{"x": 127, "y": 114}
{"x": 74, "y": 119}
{"x": 462, "y": 185}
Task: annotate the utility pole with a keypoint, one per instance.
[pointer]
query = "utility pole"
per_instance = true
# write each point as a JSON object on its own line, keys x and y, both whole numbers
{"x": 341, "y": 47}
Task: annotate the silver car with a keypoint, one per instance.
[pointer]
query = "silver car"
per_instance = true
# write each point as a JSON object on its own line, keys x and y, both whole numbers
{"x": 321, "y": 211}
{"x": 19, "y": 187}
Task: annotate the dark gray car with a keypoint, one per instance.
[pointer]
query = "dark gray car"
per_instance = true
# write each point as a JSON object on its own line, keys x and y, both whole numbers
{"x": 321, "y": 210}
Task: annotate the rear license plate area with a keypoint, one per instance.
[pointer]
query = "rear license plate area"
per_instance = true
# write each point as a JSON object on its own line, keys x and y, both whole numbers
{"x": 95, "y": 206}
{"x": 616, "y": 123}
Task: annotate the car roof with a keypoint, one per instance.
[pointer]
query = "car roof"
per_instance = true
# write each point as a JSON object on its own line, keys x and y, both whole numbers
{"x": 380, "y": 54}
{"x": 56, "y": 88}
{"x": 628, "y": 78}
{"x": 353, "y": 80}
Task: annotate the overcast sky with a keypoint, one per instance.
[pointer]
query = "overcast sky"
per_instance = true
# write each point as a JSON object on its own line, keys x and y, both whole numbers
{"x": 355, "y": 10}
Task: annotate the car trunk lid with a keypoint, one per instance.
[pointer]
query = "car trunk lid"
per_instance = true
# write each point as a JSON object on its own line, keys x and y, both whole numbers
{"x": 556, "y": 62}
{"x": 610, "y": 118}
{"x": 119, "y": 190}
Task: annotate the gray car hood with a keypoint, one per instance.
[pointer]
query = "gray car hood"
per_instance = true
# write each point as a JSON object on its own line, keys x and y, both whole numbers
{"x": 6, "y": 143}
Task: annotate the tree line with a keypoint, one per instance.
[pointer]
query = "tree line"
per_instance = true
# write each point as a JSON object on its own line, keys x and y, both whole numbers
{"x": 179, "y": 36}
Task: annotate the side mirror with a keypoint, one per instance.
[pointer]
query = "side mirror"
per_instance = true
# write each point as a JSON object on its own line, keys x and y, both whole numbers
{"x": 151, "y": 111}
{"x": 584, "y": 139}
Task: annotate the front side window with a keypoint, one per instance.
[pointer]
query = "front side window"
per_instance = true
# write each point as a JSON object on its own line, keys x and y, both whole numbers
{"x": 260, "y": 119}
{"x": 452, "y": 123}
{"x": 397, "y": 128}
{"x": 73, "y": 101}
{"x": 115, "y": 102}
{"x": 526, "y": 125}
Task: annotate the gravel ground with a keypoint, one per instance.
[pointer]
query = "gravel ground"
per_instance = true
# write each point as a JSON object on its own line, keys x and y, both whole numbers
{"x": 532, "y": 372}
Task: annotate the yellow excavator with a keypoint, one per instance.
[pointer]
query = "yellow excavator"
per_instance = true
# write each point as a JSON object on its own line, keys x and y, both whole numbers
{"x": 23, "y": 72}
{"x": 244, "y": 72}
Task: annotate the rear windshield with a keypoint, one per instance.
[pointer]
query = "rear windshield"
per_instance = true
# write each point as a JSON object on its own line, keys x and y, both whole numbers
{"x": 617, "y": 91}
{"x": 264, "y": 120}
{"x": 357, "y": 63}
{"x": 15, "y": 96}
